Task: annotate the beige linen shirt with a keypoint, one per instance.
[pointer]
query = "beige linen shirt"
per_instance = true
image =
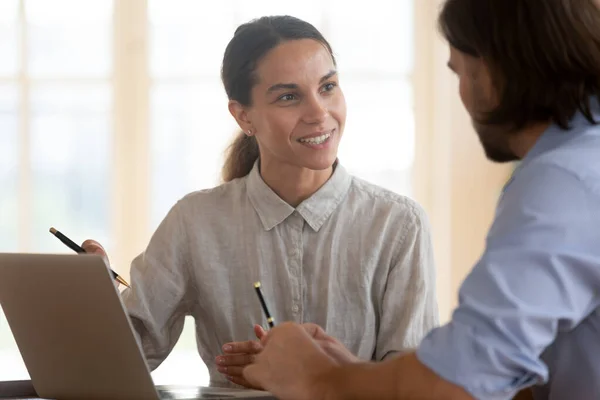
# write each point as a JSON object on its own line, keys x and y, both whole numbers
{"x": 353, "y": 258}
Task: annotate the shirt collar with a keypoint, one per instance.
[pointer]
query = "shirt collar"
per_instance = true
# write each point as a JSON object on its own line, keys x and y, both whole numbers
{"x": 554, "y": 136}
{"x": 315, "y": 210}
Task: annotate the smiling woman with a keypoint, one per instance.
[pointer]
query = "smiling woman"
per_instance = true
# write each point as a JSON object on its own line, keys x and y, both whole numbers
{"x": 295, "y": 115}
{"x": 106, "y": 143}
{"x": 291, "y": 217}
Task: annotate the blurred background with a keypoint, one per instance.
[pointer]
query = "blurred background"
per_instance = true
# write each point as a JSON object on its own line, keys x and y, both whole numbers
{"x": 111, "y": 110}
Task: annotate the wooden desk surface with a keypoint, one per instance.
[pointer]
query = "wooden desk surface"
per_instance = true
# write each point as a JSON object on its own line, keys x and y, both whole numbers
{"x": 23, "y": 390}
{"x": 17, "y": 390}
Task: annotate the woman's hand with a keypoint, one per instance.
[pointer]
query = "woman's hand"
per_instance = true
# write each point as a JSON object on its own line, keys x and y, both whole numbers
{"x": 92, "y": 247}
{"x": 238, "y": 355}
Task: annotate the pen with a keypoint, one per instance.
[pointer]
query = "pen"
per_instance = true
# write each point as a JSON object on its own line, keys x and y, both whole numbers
{"x": 270, "y": 319}
{"x": 78, "y": 249}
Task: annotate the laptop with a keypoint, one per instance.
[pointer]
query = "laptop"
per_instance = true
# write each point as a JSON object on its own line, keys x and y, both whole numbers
{"x": 74, "y": 334}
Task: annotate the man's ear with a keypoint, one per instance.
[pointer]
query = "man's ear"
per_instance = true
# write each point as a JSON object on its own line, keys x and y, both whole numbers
{"x": 240, "y": 113}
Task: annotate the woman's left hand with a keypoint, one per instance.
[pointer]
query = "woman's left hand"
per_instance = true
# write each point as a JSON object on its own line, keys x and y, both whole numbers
{"x": 238, "y": 355}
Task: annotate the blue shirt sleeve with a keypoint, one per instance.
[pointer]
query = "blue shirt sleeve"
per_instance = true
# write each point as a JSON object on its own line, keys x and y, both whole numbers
{"x": 539, "y": 275}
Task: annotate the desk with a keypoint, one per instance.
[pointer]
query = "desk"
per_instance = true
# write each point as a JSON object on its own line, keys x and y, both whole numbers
{"x": 23, "y": 390}
{"x": 17, "y": 390}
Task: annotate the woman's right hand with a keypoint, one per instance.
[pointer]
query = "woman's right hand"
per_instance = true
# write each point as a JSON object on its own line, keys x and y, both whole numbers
{"x": 92, "y": 247}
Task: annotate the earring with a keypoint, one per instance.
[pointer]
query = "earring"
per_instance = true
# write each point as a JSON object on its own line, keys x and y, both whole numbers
{"x": 249, "y": 132}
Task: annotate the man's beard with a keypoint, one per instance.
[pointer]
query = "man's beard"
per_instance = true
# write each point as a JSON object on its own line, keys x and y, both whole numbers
{"x": 495, "y": 142}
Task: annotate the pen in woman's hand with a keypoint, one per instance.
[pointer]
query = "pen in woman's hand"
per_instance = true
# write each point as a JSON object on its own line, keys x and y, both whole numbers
{"x": 263, "y": 303}
{"x": 78, "y": 249}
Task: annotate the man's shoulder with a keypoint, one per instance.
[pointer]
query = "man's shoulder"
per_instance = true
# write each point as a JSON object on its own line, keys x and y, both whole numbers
{"x": 547, "y": 196}
{"x": 578, "y": 156}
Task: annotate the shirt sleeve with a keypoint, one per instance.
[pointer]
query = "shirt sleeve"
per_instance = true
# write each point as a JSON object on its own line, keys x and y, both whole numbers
{"x": 538, "y": 275}
{"x": 409, "y": 307}
{"x": 160, "y": 293}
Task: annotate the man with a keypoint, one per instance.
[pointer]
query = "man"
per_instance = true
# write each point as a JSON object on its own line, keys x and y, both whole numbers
{"x": 528, "y": 315}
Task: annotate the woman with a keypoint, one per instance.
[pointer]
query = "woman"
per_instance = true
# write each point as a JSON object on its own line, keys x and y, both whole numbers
{"x": 328, "y": 248}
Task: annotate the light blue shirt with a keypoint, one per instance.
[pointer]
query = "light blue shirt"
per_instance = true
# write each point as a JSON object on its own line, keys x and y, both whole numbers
{"x": 529, "y": 310}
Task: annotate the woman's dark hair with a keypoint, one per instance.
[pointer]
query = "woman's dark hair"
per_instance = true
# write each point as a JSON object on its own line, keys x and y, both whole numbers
{"x": 250, "y": 43}
{"x": 544, "y": 55}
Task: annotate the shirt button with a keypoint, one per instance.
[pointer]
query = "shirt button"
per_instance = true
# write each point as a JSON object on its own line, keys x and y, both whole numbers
{"x": 295, "y": 308}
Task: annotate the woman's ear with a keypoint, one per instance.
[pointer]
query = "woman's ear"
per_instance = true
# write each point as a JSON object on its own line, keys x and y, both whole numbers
{"x": 241, "y": 115}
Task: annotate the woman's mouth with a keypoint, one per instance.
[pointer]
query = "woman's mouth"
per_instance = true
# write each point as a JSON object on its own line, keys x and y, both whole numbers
{"x": 317, "y": 140}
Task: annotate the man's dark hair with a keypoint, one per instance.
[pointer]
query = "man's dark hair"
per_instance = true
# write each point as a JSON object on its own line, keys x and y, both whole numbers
{"x": 543, "y": 55}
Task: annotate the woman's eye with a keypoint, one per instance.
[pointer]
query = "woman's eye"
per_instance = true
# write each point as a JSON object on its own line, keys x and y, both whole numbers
{"x": 328, "y": 87}
{"x": 287, "y": 97}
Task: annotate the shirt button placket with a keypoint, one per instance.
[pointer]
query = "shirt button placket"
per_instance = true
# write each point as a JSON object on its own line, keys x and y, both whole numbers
{"x": 297, "y": 268}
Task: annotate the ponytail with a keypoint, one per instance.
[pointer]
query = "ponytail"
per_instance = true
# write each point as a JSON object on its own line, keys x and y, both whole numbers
{"x": 240, "y": 157}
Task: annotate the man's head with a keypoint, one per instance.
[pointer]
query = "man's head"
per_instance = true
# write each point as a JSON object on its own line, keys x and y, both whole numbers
{"x": 522, "y": 64}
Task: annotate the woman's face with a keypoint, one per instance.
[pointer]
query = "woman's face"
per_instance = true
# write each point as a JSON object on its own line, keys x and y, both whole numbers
{"x": 298, "y": 109}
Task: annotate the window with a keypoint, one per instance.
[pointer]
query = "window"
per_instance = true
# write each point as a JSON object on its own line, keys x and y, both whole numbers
{"x": 111, "y": 111}
{"x": 55, "y": 129}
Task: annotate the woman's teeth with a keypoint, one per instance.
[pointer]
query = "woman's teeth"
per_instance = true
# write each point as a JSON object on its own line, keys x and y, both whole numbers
{"x": 317, "y": 139}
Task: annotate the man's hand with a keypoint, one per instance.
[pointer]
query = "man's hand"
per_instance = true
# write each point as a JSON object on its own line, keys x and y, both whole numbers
{"x": 333, "y": 347}
{"x": 238, "y": 355}
{"x": 292, "y": 364}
